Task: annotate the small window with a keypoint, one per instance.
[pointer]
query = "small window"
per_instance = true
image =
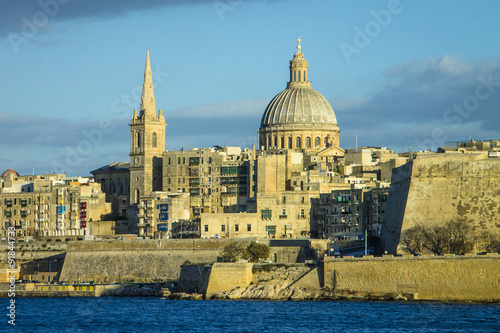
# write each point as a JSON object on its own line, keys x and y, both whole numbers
{"x": 317, "y": 142}
{"x": 308, "y": 142}
{"x": 183, "y": 160}
{"x": 154, "y": 139}
{"x": 236, "y": 227}
{"x": 290, "y": 143}
{"x": 223, "y": 228}
{"x": 249, "y": 227}
{"x": 298, "y": 143}
{"x": 206, "y": 227}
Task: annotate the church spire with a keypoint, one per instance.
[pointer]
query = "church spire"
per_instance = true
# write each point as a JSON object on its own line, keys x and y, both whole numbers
{"x": 298, "y": 69}
{"x": 148, "y": 106}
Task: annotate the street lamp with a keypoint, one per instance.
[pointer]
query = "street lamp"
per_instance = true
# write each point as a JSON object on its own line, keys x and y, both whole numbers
{"x": 50, "y": 267}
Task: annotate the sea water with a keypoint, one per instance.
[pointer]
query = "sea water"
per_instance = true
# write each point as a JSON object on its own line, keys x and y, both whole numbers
{"x": 133, "y": 314}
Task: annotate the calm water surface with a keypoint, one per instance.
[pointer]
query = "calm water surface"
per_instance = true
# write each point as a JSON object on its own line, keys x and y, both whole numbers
{"x": 159, "y": 315}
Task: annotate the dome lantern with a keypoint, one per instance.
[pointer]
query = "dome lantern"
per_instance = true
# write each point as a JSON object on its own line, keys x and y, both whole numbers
{"x": 298, "y": 69}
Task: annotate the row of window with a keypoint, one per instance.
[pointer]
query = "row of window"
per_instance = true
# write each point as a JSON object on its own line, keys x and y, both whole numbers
{"x": 192, "y": 161}
{"x": 14, "y": 201}
{"x": 138, "y": 139}
{"x": 298, "y": 142}
{"x": 302, "y": 199}
{"x": 298, "y": 76}
{"x": 223, "y": 228}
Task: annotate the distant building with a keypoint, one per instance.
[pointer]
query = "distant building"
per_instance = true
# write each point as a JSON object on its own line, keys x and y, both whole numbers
{"x": 346, "y": 214}
{"x": 50, "y": 205}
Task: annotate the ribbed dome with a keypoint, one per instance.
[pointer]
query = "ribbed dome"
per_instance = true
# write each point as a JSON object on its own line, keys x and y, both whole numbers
{"x": 296, "y": 105}
{"x": 10, "y": 172}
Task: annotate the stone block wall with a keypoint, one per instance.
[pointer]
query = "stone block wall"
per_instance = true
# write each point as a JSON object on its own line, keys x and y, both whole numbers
{"x": 227, "y": 276}
{"x": 445, "y": 278}
{"x": 439, "y": 188}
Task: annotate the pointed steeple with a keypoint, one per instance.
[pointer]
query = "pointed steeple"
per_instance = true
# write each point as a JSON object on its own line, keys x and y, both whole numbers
{"x": 298, "y": 69}
{"x": 148, "y": 105}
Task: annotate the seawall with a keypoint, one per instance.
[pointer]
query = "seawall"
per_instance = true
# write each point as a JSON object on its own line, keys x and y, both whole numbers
{"x": 469, "y": 278}
{"x": 157, "y": 260}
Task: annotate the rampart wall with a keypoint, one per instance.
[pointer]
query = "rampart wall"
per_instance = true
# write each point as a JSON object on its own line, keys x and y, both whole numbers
{"x": 445, "y": 278}
{"x": 439, "y": 188}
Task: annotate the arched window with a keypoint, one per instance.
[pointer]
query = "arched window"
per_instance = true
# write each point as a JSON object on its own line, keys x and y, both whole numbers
{"x": 294, "y": 76}
{"x": 317, "y": 142}
{"x": 305, "y": 77}
{"x": 137, "y": 196}
{"x": 298, "y": 143}
{"x": 275, "y": 141}
{"x": 282, "y": 142}
{"x": 299, "y": 76}
{"x": 290, "y": 142}
{"x": 154, "y": 139}
{"x": 269, "y": 142}
{"x": 138, "y": 139}
{"x": 308, "y": 142}
{"x": 326, "y": 141}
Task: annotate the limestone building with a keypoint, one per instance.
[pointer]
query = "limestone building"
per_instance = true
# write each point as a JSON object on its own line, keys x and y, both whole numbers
{"x": 50, "y": 205}
{"x": 147, "y": 143}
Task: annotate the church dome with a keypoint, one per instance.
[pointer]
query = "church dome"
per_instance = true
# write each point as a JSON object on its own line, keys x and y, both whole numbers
{"x": 299, "y": 106}
{"x": 299, "y": 117}
{"x": 10, "y": 172}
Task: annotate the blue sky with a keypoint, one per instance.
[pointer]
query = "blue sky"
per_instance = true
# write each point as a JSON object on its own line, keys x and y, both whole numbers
{"x": 410, "y": 74}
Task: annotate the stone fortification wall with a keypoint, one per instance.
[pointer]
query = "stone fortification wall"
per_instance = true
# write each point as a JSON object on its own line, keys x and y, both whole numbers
{"x": 156, "y": 260}
{"x": 227, "y": 276}
{"x": 446, "y": 278}
{"x": 194, "y": 279}
{"x": 147, "y": 265}
{"x": 441, "y": 187}
{"x": 33, "y": 251}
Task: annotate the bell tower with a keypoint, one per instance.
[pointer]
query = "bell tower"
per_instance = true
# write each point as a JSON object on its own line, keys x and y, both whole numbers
{"x": 147, "y": 143}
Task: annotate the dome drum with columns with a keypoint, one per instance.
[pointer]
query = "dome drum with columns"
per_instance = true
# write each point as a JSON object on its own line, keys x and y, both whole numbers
{"x": 299, "y": 117}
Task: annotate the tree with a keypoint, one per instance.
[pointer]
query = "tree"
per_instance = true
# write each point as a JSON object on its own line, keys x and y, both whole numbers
{"x": 490, "y": 241}
{"x": 233, "y": 252}
{"x": 257, "y": 251}
{"x": 435, "y": 238}
{"x": 460, "y": 236}
{"x": 412, "y": 240}
{"x": 454, "y": 236}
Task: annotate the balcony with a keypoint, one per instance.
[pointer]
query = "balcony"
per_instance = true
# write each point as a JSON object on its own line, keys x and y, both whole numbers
{"x": 194, "y": 182}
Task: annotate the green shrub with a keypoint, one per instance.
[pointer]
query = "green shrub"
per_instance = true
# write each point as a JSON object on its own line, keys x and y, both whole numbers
{"x": 233, "y": 252}
{"x": 257, "y": 251}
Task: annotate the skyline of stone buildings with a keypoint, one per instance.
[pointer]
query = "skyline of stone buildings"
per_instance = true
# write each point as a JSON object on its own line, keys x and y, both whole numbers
{"x": 298, "y": 182}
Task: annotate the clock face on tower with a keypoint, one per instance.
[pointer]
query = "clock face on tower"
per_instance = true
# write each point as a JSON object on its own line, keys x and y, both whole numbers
{"x": 137, "y": 160}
